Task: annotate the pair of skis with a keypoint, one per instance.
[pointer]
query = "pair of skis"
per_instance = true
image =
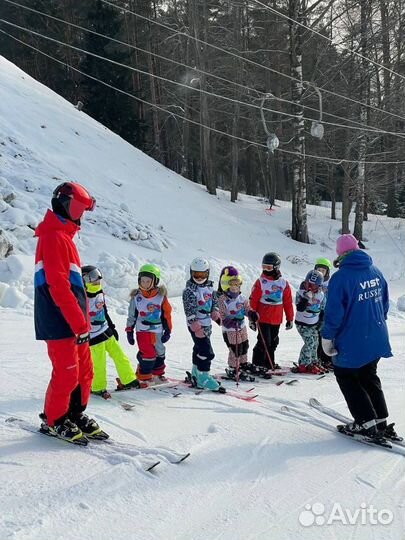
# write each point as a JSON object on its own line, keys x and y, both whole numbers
{"x": 394, "y": 446}
{"x": 101, "y": 445}
{"x": 245, "y": 395}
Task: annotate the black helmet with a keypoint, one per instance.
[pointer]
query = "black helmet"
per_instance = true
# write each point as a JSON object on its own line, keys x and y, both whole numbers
{"x": 91, "y": 274}
{"x": 272, "y": 258}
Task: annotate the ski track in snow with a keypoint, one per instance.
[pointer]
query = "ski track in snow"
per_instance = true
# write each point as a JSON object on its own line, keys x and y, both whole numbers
{"x": 251, "y": 470}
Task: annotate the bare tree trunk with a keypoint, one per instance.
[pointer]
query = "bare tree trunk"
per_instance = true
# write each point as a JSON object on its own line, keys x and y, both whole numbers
{"x": 362, "y": 138}
{"x": 154, "y": 92}
{"x": 332, "y": 191}
{"x": 346, "y": 200}
{"x": 237, "y": 19}
{"x": 299, "y": 229}
{"x": 235, "y": 157}
{"x": 131, "y": 31}
{"x": 185, "y": 146}
{"x": 199, "y": 24}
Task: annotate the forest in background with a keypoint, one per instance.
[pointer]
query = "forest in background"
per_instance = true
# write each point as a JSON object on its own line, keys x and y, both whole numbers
{"x": 208, "y": 87}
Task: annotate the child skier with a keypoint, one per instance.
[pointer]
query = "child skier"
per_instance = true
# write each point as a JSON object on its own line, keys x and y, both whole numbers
{"x": 324, "y": 266}
{"x": 201, "y": 307}
{"x": 310, "y": 302}
{"x": 150, "y": 314}
{"x": 233, "y": 308}
{"x": 271, "y": 295}
{"x": 104, "y": 338}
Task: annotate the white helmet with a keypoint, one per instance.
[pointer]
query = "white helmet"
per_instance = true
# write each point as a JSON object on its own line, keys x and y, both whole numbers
{"x": 199, "y": 270}
{"x": 199, "y": 265}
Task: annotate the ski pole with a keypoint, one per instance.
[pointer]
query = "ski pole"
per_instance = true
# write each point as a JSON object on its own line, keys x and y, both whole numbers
{"x": 237, "y": 356}
{"x": 265, "y": 347}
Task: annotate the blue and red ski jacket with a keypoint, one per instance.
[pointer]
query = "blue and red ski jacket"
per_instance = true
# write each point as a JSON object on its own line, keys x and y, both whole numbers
{"x": 60, "y": 299}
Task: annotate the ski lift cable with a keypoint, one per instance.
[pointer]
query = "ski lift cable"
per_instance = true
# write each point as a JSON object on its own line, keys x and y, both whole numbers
{"x": 275, "y": 11}
{"x": 336, "y": 161}
{"x": 362, "y": 126}
{"x": 370, "y": 129}
{"x": 247, "y": 60}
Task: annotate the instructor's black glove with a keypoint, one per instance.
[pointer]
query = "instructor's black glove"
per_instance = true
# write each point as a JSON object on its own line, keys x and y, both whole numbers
{"x": 289, "y": 325}
{"x": 83, "y": 338}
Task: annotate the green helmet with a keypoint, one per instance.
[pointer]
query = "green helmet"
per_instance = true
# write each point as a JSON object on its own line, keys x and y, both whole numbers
{"x": 151, "y": 271}
{"x": 322, "y": 261}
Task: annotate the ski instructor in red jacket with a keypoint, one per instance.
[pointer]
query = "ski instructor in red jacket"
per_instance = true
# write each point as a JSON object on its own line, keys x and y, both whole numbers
{"x": 61, "y": 316}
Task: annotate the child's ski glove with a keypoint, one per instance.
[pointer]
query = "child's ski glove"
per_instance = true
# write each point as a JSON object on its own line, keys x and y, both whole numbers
{"x": 229, "y": 323}
{"x": 253, "y": 316}
{"x": 288, "y": 325}
{"x": 215, "y": 316}
{"x": 328, "y": 347}
{"x": 197, "y": 329}
{"x": 165, "y": 336}
{"x": 130, "y": 335}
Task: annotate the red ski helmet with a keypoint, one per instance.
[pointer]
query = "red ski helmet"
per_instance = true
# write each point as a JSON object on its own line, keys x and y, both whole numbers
{"x": 72, "y": 200}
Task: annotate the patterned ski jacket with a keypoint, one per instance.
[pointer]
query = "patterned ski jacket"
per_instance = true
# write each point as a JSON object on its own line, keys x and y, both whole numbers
{"x": 199, "y": 302}
{"x": 60, "y": 304}
{"x": 233, "y": 310}
{"x": 270, "y": 298}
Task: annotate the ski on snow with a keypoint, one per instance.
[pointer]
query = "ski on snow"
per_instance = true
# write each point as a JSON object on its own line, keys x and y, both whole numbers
{"x": 305, "y": 417}
{"x": 313, "y": 402}
{"x": 127, "y": 449}
{"x": 246, "y": 395}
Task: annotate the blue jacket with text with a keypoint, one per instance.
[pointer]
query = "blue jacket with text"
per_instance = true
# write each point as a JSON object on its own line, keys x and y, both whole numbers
{"x": 356, "y": 312}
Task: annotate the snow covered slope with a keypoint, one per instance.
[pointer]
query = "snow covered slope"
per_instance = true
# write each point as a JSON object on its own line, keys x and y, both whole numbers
{"x": 252, "y": 470}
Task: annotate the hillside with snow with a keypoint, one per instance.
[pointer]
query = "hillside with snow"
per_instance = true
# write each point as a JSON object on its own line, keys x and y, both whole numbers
{"x": 253, "y": 471}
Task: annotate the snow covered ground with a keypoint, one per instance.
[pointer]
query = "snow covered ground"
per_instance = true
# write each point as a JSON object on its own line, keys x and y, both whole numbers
{"x": 253, "y": 471}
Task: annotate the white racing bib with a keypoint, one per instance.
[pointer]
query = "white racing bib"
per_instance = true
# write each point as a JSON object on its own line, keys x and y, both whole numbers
{"x": 149, "y": 313}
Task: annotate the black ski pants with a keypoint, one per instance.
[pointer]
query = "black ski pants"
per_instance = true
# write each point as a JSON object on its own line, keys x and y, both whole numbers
{"x": 202, "y": 352}
{"x": 362, "y": 390}
{"x": 269, "y": 341}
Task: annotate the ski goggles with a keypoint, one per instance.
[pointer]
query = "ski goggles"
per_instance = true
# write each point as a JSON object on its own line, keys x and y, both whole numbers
{"x": 93, "y": 276}
{"x": 77, "y": 208}
{"x": 313, "y": 287}
{"x": 268, "y": 267}
{"x": 200, "y": 275}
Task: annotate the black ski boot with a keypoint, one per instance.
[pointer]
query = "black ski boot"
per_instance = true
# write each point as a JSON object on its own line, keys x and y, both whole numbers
{"x": 366, "y": 429}
{"x": 388, "y": 431}
{"x": 232, "y": 375}
{"x": 66, "y": 430}
{"x": 89, "y": 427}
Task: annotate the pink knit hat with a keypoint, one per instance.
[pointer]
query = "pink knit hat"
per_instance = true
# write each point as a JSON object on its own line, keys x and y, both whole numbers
{"x": 346, "y": 242}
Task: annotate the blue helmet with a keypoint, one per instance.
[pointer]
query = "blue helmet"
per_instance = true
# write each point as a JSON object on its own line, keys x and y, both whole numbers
{"x": 314, "y": 277}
